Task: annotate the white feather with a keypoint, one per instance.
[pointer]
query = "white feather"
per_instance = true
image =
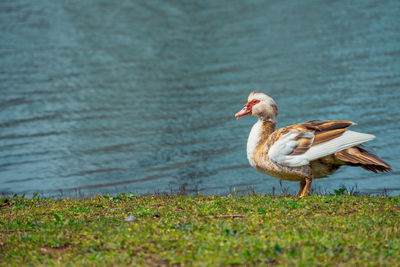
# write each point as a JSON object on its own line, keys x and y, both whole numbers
{"x": 281, "y": 149}
{"x": 252, "y": 141}
{"x": 346, "y": 140}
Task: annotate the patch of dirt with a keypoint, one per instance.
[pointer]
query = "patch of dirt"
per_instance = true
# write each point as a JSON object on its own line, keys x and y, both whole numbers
{"x": 49, "y": 250}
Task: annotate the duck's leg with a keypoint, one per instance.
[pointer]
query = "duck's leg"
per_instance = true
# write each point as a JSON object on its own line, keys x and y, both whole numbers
{"x": 306, "y": 189}
{"x": 302, "y": 184}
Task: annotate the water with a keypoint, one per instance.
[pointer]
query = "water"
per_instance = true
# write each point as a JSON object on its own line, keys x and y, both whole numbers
{"x": 138, "y": 97}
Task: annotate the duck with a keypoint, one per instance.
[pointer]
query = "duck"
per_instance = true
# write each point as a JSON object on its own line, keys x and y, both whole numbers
{"x": 305, "y": 151}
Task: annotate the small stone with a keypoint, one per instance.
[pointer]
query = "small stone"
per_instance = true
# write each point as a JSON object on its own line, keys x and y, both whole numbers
{"x": 130, "y": 218}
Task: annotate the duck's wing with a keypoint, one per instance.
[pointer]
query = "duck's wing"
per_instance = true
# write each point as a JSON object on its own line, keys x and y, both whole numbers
{"x": 358, "y": 156}
{"x": 298, "y": 144}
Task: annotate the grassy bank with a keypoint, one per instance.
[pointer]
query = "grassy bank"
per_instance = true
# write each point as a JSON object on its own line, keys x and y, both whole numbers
{"x": 167, "y": 230}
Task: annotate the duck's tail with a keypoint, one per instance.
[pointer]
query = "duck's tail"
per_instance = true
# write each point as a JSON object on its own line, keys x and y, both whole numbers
{"x": 357, "y": 156}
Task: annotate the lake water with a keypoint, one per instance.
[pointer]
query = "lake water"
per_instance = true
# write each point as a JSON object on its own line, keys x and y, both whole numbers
{"x": 140, "y": 96}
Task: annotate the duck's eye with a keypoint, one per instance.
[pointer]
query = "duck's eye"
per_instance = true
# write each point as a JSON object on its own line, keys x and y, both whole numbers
{"x": 255, "y": 101}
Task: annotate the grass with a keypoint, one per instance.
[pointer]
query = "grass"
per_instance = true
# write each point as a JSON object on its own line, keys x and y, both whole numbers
{"x": 201, "y": 230}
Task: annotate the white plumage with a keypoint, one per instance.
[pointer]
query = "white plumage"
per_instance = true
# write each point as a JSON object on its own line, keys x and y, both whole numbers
{"x": 281, "y": 149}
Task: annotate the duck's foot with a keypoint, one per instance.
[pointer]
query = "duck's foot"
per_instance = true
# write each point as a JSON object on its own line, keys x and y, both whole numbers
{"x": 302, "y": 184}
{"x": 305, "y": 187}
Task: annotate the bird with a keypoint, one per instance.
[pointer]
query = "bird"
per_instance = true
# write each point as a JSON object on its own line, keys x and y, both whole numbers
{"x": 304, "y": 151}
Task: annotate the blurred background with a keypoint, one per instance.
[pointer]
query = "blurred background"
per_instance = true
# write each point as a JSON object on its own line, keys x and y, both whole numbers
{"x": 140, "y": 96}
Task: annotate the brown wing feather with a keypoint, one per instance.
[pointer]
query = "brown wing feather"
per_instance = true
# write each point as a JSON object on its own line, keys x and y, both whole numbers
{"x": 325, "y": 136}
{"x": 322, "y": 130}
{"x": 360, "y": 157}
{"x": 323, "y": 125}
{"x": 303, "y": 146}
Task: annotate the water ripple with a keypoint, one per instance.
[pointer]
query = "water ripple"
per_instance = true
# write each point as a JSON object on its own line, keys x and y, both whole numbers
{"x": 93, "y": 96}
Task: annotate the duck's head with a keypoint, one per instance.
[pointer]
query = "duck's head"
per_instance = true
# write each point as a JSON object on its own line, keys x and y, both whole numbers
{"x": 261, "y": 105}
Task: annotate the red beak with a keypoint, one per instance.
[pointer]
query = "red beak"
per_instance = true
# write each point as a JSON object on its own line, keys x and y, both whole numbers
{"x": 244, "y": 111}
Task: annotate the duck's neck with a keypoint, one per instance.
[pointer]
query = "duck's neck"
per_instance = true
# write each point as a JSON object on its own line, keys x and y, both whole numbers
{"x": 261, "y": 130}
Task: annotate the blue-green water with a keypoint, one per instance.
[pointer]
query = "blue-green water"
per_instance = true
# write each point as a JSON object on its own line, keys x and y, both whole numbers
{"x": 140, "y": 96}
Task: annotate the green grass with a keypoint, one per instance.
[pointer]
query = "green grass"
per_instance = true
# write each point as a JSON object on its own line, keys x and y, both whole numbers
{"x": 201, "y": 230}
